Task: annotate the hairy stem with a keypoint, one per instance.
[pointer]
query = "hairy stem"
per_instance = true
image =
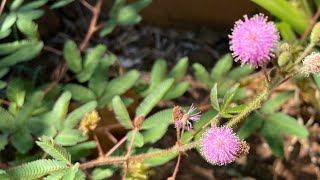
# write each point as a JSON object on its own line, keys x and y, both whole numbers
{"x": 114, "y": 160}
{"x": 252, "y": 106}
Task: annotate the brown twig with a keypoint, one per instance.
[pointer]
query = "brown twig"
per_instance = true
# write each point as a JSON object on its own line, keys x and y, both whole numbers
{"x": 53, "y": 50}
{"x": 87, "y": 5}
{"x": 92, "y": 27}
{"x": 3, "y": 3}
{"x": 101, "y": 153}
{"x": 312, "y": 22}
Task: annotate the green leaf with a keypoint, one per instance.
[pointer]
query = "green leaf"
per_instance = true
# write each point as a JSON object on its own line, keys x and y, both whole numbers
{"x": 222, "y": 67}
{"x": 287, "y": 124}
{"x": 75, "y": 116}
{"x": 4, "y": 34}
{"x": 3, "y": 142}
{"x": 99, "y": 80}
{"x": 81, "y": 150}
{"x": 154, "y": 134}
{"x": 118, "y": 86}
{"x": 236, "y": 109}
{"x": 22, "y": 140}
{"x": 8, "y": 21}
{"x": 26, "y": 111}
{"x": 180, "y": 69}
{"x": 158, "y": 73}
{"x": 274, "y": 138}
{"x": 138, "y": 140}
{"x": 16, "y": 91}
{"x": 70, "y": 137}
{"x": 56, "y": 151}
{"x": 56, "y": 175}
{"x": 102, "y": 173}
{"x": 121, "y": 112}
{"x": 33, "y": 5}
{"x": 286, "y": 12}
{"x": 202, "y": 74}
{"x": 239, "y": 72}
{"x": 16, "y": 4}
{"x": 177, "y": 90}
{"x": 7, "y": 48}
{"x": 153, "y": 98}
{"x": 3, "y": 72}
{"x": 28, "y": 28}
{"x": 275, "y": 103}
{"x": 286, "y": 31}
{"x": 61, "y": 3}
{"x": 7, "y": 121}
{"x": 252, "y": 124}
{"x": 72, "y": 55}
{"x": 35, "y": 169}
{"x": 127, "y": 16}
{"x": 316, "y": 78}
{"x": 32, "y": 15}
{"x": 3, "y": 84}
{"x": 160, "y": 118}
{"x": 108, "y": 28}
{"x": 228, "y": 96}
{"x": 91, "y": 61}
{"x": 71, "y": 173}
{"x": 214, "y": 97}
{"x": 80, "y": 93}
{"x": 23, "y": 54}
{"x": 158, "y": 160}
{"x": 60, "y": 109}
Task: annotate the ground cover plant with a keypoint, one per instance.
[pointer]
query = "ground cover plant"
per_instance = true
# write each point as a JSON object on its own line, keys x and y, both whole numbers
{"x": 55, "y": 125}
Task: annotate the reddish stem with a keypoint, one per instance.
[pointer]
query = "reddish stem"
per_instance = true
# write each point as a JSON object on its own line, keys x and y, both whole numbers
{"x": 117, "y": 146}
{"x": 92, "y": 28}
{"x": 135, "y": 130}
{"x": 101, "y": 153}
{"x": 3, "y": 3}
{"x": 312, "y": 22}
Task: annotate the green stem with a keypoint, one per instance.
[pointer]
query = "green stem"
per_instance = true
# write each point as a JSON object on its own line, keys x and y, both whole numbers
{"x": 114, "y": 160}
{"x": 252, "y": 106}
{"x": 305, "y": 52}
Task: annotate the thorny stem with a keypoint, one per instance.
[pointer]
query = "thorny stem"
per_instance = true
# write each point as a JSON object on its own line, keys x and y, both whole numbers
{"x": 113, "y": 160}
{"x": 252, "y": 106}
{"x": 313, "y": 21}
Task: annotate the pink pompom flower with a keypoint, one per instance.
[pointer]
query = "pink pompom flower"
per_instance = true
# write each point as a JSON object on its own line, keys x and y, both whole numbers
{"x": 220, "y": 145}
{"x": 253, "y": 39}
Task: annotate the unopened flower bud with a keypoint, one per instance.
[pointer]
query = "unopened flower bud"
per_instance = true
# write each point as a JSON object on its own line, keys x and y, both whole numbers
{"x": 284, "y": 58}
{"x": 284, "y": 47}
{"x": 243, "y": 149}
{"x": 311, "y": 63}
{"x": 315, "y": 33}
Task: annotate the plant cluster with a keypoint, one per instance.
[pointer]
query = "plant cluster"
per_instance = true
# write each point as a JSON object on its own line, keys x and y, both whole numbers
{"x": 50, "y": 127}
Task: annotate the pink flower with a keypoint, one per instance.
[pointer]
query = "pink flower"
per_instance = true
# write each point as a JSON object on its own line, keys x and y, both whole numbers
{"x": 220, "y": 145}
{"x": 253, "y": 40}
{"x": 188, "y": 117}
